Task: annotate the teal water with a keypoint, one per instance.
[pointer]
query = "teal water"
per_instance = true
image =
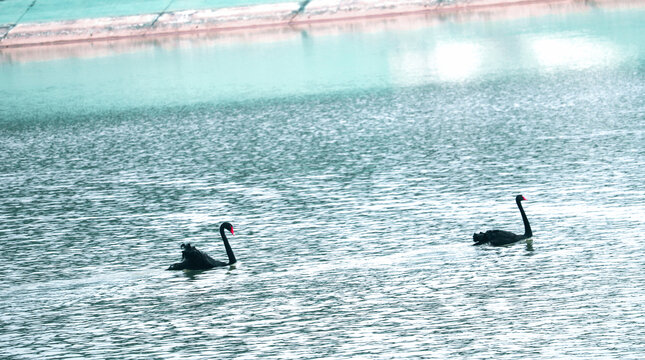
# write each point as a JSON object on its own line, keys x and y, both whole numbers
{"x": 355, "y": 167}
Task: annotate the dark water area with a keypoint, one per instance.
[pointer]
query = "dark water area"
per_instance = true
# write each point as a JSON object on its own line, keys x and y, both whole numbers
{"x": 353, "y": 205}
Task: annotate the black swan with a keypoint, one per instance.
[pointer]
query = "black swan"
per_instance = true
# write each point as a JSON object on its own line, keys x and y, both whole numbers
{"x": 501, "y": 237}
{"x": 193, "y": 259}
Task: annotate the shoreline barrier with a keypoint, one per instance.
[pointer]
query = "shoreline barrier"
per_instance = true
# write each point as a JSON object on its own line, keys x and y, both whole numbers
{"x": 258, "y": 17}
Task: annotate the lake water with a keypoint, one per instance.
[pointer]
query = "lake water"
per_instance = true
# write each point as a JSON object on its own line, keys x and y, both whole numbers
{"x": 355, "y": 167}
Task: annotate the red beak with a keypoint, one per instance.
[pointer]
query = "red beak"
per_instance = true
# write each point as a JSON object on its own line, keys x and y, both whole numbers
{"x": 523, "y": 198}
{"x": 232, "y": 232}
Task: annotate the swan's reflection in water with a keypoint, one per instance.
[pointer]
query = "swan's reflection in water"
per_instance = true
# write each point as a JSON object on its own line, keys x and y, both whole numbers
{"x": 192, "y": 274}
{"x": 197, "y": 274}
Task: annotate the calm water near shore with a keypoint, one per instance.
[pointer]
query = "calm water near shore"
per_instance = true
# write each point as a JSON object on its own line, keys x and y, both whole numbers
{"x": 355, "y": 168}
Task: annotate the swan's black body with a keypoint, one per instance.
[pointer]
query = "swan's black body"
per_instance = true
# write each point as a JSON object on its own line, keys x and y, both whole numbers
{"x": 193, "y": 259}
{"x": 501, "y": 237}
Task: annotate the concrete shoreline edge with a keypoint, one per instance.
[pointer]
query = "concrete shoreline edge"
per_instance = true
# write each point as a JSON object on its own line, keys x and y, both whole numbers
{"x": 256, "y": 17}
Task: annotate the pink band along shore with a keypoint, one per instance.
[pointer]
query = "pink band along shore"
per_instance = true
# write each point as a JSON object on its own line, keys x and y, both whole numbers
{"x": 261, "y": 17}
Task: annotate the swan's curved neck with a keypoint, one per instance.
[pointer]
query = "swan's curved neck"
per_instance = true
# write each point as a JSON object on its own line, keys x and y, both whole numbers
{"x": 527, "y": 227}
{"x": 229, "y": 251}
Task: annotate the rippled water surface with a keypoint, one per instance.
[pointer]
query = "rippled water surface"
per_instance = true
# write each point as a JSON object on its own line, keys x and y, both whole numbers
{"x": 355, "y": 168}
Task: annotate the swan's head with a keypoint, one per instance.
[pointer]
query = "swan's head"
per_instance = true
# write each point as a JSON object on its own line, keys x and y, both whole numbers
{"x": 227, "y": 225}
{"x": 519, "y": 198}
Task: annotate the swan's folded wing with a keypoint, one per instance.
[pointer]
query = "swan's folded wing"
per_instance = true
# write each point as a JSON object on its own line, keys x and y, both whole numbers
{"x": 196, "y": 260}
{"x": 501, "y": 237}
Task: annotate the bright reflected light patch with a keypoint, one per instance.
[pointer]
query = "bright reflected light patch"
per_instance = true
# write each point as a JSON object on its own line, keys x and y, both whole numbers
{"x": 447, "y": 61}
{"x": 457, "y": 61}
{"x": 573, "y": 53}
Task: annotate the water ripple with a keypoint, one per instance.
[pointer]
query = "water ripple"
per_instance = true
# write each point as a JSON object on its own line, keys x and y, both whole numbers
{"x": 354, "y": 213}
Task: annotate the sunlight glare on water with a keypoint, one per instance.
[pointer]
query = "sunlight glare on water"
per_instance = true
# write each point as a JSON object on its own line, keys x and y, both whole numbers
{"x": 573, "y": 54}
